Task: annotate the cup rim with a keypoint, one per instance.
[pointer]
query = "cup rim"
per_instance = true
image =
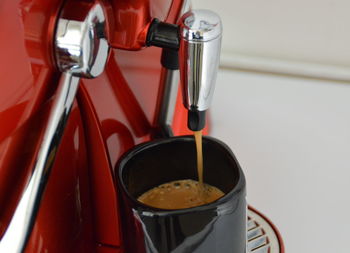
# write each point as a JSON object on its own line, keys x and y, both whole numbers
{"x": 240, "y": 185}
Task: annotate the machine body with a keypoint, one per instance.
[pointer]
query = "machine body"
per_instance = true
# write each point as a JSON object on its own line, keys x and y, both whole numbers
{"x": 114, "y": 104}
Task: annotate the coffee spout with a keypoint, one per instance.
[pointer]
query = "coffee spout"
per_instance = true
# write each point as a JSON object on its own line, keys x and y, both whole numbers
{"x": 199, "y": 56}
{"x": 197, "y": 41}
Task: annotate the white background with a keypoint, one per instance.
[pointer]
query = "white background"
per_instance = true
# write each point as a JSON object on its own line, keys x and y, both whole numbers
{"x": 301, "y": 37}
{"x": 315, "y": 31}
{"x": 292, "y": 139}
{"x": 290, "y": 134}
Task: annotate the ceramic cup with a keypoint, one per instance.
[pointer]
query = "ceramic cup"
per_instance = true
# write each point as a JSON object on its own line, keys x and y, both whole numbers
{"x": 217, "y": 227}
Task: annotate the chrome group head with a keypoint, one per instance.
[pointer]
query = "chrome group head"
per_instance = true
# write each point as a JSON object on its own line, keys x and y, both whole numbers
{"x": 199, "y": 56}
{"x": 81, "y": 47}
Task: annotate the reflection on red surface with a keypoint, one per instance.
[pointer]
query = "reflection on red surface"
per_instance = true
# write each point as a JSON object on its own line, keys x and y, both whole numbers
{"x": 131, "y": 20}
{"x": 79, "y": 211}
{"x": 103, "y": 193}
{"x": 129, "y": 104}
{"x": 38, "y": 25}
{"x": 26, "y": 71}
{"x": 108, "y": 249}
{"x": 16, "y": 157}
{"x": 117, "y": 112}
{"x": 64, "y": 218}
{"x": 117, "y": 137}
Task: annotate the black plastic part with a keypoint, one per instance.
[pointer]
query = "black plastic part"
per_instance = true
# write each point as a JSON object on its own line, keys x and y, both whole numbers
{"x": 196, "y": 120}
{"x": 164, "y": 35}
{"x": 162, "y": 131}
{"x": 170, "y": 59}
{"x": 218, "y": 227}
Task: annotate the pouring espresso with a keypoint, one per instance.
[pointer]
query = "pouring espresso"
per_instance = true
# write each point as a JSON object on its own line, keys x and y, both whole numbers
{"x": 199, "y": 57}
{"x": 166, "y": 164}
{"x": 185, "y": 223}
{"x": 169, "y": 206}
{"x": 199, "y": 53}
{"x": 184, "y": 193}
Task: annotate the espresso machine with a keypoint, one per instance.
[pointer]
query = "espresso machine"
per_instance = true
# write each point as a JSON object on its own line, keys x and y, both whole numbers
{"x": 94, "y": 44}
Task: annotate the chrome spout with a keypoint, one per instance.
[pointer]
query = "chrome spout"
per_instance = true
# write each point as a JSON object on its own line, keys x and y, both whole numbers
{"x": 199, "y": 56}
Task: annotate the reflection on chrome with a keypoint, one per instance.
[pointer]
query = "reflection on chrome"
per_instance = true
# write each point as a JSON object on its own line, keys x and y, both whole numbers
{"x": 261, "y": 237}
{"x": 81, "y": 51}
{"x": 199, "y": 56}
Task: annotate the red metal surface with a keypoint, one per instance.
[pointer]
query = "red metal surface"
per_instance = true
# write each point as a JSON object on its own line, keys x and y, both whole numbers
{"x": 79, "y": 212}
{"x": 104, "y": 198}
{"x": 26, "y": 29}
{"x": 123, "y": 99}
{"x": 64, "y": 221}
{"x": 106, "y": 249}
{"x": 131, "y": 20}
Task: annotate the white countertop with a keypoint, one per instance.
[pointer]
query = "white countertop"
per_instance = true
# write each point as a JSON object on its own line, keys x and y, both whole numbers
{"x": 292, "y": 139}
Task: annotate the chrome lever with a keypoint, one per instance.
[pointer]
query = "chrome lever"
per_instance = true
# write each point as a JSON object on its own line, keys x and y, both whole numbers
{"x": 81, "y": 50}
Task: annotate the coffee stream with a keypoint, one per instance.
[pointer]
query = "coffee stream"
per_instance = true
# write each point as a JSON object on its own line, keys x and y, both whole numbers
{"x": 183, "y": 193}
{"x": 198, "y": 138}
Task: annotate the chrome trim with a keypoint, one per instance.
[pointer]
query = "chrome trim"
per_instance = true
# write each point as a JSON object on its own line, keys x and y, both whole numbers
{"x": 18, "y": 231}
{"x": 81, "y": 51}
{"x": 170, "y": 80}
{"x": 261, "y": 236}
{"x": 200, "y": 26}
{"x": 255, "y": 232}
{"x": 81, "y": 46}
{"x": 199, "y": 56}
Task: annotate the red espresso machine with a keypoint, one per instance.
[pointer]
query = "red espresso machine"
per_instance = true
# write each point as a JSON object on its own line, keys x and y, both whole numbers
{"x": 82, "y": 82}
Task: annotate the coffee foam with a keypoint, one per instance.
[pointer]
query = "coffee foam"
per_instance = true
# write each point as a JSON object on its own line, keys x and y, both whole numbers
{"x": 180, "y": 194}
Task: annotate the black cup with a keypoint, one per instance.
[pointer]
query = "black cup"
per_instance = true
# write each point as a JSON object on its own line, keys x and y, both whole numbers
{"x": 217, "y": 227}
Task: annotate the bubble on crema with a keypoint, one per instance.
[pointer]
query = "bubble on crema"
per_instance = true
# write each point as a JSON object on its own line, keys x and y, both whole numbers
{"x": 180, "y": 194}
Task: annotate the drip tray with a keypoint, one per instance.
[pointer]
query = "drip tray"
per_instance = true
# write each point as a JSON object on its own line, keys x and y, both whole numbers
{"x": 261, "y": 235}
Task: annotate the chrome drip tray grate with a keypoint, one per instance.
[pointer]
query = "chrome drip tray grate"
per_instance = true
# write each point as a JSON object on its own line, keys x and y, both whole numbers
{"x": 261, "y": 236}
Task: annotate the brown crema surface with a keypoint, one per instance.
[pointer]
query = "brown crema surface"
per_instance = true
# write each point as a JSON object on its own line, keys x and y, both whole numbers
{"x": 180, "y": 194}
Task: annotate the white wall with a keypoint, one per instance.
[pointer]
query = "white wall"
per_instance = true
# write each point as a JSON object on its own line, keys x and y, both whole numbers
{"x": 314, "y": 32}
{"x": 291, "y": 135}
{"x": 292, "y": 139}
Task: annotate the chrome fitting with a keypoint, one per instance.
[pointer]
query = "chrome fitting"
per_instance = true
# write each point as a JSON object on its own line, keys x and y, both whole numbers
{"x": 81, "y": 47}
{"x": 199, "y": 56}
